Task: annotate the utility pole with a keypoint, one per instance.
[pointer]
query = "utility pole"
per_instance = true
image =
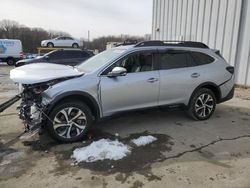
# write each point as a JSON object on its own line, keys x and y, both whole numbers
{"x": 88, "y": 35}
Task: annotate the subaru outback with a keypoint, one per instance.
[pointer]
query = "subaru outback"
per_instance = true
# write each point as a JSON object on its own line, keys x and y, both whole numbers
{"x": 68, "y": 100}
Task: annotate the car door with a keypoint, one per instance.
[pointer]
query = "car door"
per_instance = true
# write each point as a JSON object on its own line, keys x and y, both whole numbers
{"x": 177, "y": 78}
{"x": 139, "y": 88}
{"x": 68, "y": 41}
{"x": 60, "y": 41}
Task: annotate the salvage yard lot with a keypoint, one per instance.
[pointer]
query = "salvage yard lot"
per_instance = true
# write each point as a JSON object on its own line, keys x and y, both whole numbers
{"x": 187, "y": 153}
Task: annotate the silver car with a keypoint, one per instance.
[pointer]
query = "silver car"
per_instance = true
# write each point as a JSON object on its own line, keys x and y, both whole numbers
{"x": 67, "y": 101}
{"x": 61, "y": 42}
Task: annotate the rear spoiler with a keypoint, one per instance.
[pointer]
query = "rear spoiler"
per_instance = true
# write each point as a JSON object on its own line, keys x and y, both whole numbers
{"x": 218, "y": 53}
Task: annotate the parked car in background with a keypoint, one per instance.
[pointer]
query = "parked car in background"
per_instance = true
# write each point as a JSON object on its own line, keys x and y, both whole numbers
{"x": 149, "y": 74}
{"x": 70, "y": 57}
{"x": 11, "y": 50}
{"x": 61, "y": 42}
{"x": 30, "y": 56}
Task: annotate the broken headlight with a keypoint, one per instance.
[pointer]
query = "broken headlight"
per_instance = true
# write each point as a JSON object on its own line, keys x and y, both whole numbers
{"x": 40, "y": 89}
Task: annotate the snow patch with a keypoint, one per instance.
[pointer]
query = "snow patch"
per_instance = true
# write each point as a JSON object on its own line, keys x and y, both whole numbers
{"x": 100, "y": 150}
{"x": 144, "y": 140}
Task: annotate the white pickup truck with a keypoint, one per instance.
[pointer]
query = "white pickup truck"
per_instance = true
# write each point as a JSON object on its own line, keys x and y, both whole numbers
{"x": 11, "y": 50}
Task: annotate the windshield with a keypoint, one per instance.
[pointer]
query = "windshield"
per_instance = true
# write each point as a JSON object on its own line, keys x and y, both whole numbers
{"x": 97, "y": 61}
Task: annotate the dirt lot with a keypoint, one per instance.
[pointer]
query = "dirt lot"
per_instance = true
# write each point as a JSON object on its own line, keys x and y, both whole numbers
{"x": 188, "y": 153}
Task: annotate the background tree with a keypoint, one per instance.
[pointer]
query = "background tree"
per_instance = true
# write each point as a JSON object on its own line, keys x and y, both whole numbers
{"x": 31, "y": 37}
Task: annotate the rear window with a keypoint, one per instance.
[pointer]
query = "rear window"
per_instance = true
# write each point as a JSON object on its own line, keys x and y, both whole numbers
{"x": 201, "y": 58}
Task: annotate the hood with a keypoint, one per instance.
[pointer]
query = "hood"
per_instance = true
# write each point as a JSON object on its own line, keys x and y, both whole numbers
{"x": 41, "y": 72}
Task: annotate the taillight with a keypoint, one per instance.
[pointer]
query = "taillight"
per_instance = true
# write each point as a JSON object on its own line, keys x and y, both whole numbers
{"x": 230, "y": 69}
{"x": 21, "y": 55}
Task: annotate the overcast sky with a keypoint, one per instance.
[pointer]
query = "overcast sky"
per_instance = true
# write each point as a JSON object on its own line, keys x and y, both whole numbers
{"x": 101, "y": 17}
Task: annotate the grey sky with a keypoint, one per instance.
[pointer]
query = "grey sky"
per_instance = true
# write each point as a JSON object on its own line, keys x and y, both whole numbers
{"x": 101, "y": 17}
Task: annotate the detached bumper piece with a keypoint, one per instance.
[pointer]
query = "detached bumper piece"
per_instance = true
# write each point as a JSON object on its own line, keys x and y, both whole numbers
{"x": 8, "y": 103}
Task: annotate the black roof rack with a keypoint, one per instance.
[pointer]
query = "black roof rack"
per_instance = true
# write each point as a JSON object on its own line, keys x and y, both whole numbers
{"x": 191, "y": 44}
{"x": 127, "y": 42}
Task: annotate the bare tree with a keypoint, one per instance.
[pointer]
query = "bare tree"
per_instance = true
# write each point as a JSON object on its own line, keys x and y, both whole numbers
{"x": 31, "y": 37}
{"x": 9, "y": 28}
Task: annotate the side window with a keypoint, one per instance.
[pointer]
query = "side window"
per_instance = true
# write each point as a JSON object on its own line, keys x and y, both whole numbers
{"x": 191, "y": 60}
{"x": 67, "y": 54}
{"x": 68, "y": 38}
{"x": 137, "y": 62}
{"x": 79, "y": 54}
{"x": 55, "y": 55}
{"x": 173, "y": 59}
{"x": 83, "y": 54}
{"x": 201, "y": 58}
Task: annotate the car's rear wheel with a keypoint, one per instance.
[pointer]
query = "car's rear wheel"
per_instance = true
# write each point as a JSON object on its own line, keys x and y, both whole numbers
{"x": 202, "y": 104}
{"x": 69, "y": 121}
{"x": 50, "y": 45}
{"x": 10, "y": 61}
{"x": 75, "y": 45}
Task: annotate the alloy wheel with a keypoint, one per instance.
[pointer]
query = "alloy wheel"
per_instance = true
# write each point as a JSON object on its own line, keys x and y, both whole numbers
{"x": 204, "y": 105}
{"x": 69, "y": 122}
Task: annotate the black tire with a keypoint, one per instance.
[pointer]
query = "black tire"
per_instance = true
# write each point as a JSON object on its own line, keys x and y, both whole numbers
{"x": 202, "y": 111}
{"x": 10, "y": 61}
{"x": 50, "y": 45}
{"x": 56, "y": 112}
{"x": 75, "y": 45}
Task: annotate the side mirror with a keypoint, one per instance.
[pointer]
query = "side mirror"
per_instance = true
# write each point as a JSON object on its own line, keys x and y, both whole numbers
{"x": 46, "y": 57}
{"x": 117, "y": 71}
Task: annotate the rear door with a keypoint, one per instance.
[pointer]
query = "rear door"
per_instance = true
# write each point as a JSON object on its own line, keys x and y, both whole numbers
{"x": 178, "y": 78}
{"x": 138, "y": 89}
{"x": 68, "y": 41}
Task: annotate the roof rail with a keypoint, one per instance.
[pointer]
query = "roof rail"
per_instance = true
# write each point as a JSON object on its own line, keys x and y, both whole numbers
{"x": 127, "y": 42}
{"x": 191, "y": 44}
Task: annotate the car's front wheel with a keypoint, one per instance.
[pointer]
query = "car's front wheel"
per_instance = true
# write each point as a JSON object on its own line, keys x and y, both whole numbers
{"x": 50, "y": 45}
{"x": 202, "y": 104}
{"x": 69, "y": 121}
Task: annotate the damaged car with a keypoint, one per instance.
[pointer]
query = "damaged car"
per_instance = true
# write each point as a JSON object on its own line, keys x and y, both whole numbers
{"x": 68, "y": 100}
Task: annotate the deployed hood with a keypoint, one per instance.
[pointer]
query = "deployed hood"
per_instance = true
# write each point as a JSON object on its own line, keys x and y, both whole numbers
{"x": 41, "y": 72}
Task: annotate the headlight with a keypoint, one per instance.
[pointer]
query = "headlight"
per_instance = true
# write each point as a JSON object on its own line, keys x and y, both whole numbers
{"x": 40, "y": 89}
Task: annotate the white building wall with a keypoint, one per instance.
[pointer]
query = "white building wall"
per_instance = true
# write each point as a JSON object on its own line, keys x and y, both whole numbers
{"x": 221, "y": 24}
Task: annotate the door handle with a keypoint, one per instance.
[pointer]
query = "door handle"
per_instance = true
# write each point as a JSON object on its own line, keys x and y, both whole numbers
{"x": 195, "y": 75}
{"x": 152, "y": 80}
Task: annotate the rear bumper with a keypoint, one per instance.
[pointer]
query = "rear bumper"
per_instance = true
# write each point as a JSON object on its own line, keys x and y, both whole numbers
{"x": 228, "y": 96}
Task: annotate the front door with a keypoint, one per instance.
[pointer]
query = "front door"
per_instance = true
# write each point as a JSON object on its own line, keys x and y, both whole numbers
{"x": 138, "y": 89}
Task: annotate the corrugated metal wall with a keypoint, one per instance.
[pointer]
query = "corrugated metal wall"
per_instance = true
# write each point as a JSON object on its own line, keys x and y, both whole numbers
{"x": 222, "y": 24}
